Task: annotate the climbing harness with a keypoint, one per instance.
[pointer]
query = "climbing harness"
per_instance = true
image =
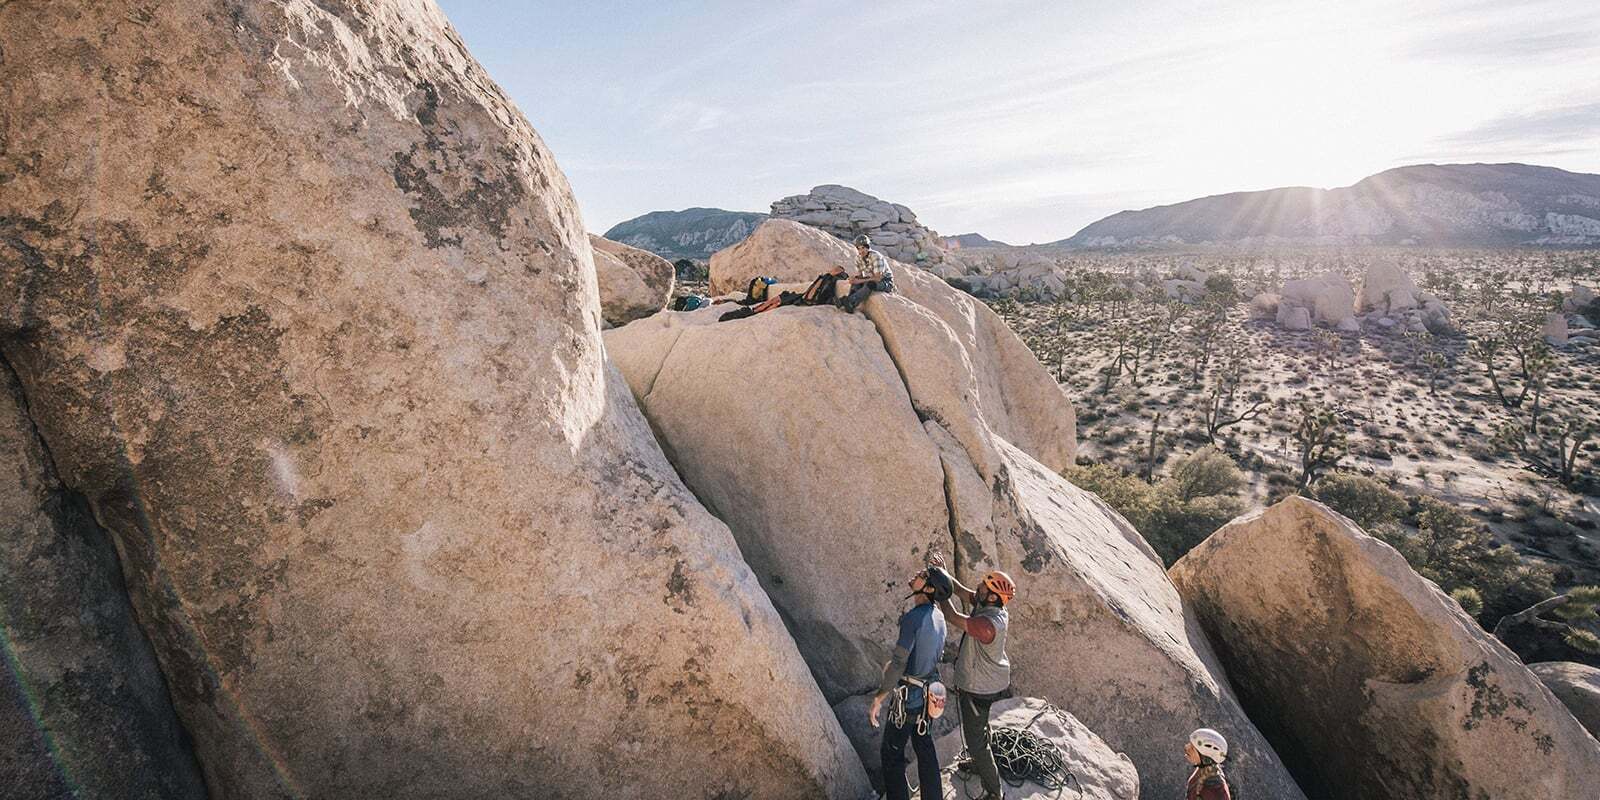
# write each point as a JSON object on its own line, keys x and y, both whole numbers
{"x": 1026, "y": 757}
{"x": 933, "y": 702}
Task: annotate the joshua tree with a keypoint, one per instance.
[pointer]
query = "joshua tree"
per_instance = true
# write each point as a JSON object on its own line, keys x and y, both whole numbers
{"x": 1139, "y": 348}
{"x": 1322, "y": 441}
{"x": 1435, "y": 362}
{"x": 1539, "y": 363}
{"x": 1219, "y": 412}
{"x": 1555, "y": 453}
{"x": 1150, "y": 449}
{"x": 1576, "y": 605}
{"x": 1327, "y": 343}
{"x": 1204, "y": 343}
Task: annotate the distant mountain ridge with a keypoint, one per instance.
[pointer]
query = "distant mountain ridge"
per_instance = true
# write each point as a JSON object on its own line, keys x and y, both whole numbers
{"x": 1428, "y": 204}
{"x": 961, "y": 240}
{"x": 690, "y": 233}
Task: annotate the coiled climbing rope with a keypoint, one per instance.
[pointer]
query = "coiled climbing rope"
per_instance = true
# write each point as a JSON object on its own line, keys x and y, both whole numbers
{"x": 1026, "y": 757}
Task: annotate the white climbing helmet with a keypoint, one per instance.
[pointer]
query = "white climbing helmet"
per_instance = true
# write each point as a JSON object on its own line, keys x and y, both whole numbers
{"x": 1210, "y": 744}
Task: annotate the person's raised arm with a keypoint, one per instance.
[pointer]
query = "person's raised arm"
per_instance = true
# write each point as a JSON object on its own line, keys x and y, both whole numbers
{"x": 979, "y": 628}
{"x": 961, "y": 590}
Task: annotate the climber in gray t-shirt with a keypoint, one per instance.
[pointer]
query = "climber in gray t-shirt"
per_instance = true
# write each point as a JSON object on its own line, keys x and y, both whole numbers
{"x": 983, "y": 670}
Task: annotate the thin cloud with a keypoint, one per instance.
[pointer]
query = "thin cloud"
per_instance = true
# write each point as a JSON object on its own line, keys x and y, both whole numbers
{"x": 1536, "y": 130}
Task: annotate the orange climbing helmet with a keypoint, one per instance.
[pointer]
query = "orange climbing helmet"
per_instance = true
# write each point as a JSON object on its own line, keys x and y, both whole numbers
{"x": 1000, "y": 583}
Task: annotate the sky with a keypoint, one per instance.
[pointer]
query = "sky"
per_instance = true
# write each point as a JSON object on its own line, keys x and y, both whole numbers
{"x": 1025, "y": 121}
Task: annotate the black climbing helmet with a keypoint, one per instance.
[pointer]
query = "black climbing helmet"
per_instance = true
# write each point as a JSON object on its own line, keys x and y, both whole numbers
{"x": 863, "y": 241}
{"x": 937, "y": 583}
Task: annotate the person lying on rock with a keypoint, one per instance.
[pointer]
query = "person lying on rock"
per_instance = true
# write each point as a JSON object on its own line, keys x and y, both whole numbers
{"x": 907, "y": 678}
{"x": 983, "y": 670}
{"x": 1206, "y": 750}
{"x": 872, "y": 275}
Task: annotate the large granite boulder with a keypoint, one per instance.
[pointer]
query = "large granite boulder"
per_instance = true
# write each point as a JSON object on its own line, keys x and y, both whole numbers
{"x": 1554, "y": 329}
{"x": 801, "y": 461}
{"x": 841, "y": 449}
{"x": 1577, "y": 686}
{"x": 1387, "y": 289}
{"x": 84, "y": 712}
{"x": 304, "y": 308}
{"x": 1020, "y": 400}
{"x": 1370, "y": 681}
{"x": 847, "y": 213}
{"x": 1328, "y": 298}
{"x": 633, "y": 283}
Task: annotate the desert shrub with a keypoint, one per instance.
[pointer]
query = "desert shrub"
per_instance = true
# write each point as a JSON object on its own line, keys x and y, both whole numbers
{"x": 1180, "y": 510}
{"x": 1365, "y": 501}
{"x": 1469, "y": 600}
{"x": 1129, "y": 496}
{"x": 1206, "y": 473}
{"x": 1454, "y": 551}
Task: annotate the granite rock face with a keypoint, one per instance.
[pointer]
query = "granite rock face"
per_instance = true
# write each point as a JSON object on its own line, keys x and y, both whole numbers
{"x": 1577, "y": 686}
{"x": 1370, "y": 681}
{"x": 842, "y": 449}
{"x": 84, "y": 712}
{"x": 303, "y": 307}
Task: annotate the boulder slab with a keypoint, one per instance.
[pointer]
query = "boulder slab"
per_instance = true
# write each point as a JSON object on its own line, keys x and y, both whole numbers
{"x": 633, "y": 283}
{"x": 1577, "y": 686}
{"x": 304, "y": 308}
{"x": 1370, "y": 681}
{"x": 1019, "y": 398}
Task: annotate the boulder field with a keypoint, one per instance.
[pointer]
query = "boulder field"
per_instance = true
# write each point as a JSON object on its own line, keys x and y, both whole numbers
{"x": 303, "y": 308}
{"x": 842, "y": 448}
{"x": 1370, "y": 681}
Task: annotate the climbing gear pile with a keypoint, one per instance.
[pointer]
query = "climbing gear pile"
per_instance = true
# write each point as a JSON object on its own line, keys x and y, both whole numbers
{"x": 1026, "y": 757}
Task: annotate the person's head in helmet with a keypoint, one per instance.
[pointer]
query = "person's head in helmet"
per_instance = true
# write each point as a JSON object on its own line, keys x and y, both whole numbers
{"x": 996, "y": 589}
{"x": 863, "y": 244}
{"x": 932, "y": 585}
{"x": 1205, "y": 747}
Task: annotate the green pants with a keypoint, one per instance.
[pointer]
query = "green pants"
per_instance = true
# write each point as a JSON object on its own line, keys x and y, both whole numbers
{"x": 975, "y": 730}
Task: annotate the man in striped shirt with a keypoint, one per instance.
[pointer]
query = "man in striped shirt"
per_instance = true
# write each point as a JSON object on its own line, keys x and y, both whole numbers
{"x": 873, "y": 274}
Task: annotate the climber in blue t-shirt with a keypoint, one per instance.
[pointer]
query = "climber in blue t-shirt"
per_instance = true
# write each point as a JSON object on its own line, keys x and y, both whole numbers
{"x": 914, "y": 665}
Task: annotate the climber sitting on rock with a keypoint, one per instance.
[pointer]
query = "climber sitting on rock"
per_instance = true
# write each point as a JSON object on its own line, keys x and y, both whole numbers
{"x": 1206, "y": 750}
{"x": 983, "y": 670}
{"x": 872, "y": 274}
{"x": 910, "y": 683}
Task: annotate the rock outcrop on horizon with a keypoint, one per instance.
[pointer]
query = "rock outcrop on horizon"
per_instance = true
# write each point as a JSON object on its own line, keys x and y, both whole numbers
{"x": 693, "y": 233}
{"x": 633, "y": 283}
{"x": 847, "y": 213}
{"x": 1370, "y": 681}
{"x": 305, "y": 310}
{"x": 84, "y": 711}
{"x": 841, "y": 448}
{"x": 1577, "y": 686}
{"x": 1441, "y": 205}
